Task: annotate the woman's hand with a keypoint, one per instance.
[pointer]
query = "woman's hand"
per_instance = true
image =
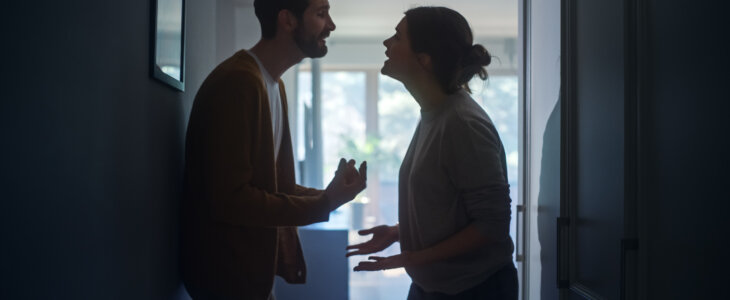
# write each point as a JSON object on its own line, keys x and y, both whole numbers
{"x": 383, "y": 236}
{"x": 377, "y": 263}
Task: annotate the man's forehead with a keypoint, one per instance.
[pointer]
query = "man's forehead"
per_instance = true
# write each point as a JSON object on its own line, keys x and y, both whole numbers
{"x": 319, "y": 4}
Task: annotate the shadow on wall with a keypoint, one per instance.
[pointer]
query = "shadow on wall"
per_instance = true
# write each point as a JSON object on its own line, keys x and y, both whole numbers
{"x": 548, "y": 201}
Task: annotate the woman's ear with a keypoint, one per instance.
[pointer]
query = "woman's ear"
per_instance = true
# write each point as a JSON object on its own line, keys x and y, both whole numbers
{"x": 287, "y": 21}
{"x": 425, "y": 61}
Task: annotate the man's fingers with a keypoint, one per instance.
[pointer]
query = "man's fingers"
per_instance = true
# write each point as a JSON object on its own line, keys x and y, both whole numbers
{"x": 364, "y": 171}
{"x": 342, "y": 164}
{"x": 352, "y": 171}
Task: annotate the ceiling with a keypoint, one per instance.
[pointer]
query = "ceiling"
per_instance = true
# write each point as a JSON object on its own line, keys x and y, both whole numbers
{"x": 376, "y": 19}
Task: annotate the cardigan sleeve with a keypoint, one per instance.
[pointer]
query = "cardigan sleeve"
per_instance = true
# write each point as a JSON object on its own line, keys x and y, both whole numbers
{"x": 305, "y": 191}
{"x": 229, "y": 136}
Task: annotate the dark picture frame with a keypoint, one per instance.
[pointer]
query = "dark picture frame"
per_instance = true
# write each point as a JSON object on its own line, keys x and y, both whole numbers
{"x": 168, "y": 42}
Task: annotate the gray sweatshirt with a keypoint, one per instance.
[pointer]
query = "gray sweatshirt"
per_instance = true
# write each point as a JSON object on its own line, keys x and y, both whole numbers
{"x": 454, "y": 174}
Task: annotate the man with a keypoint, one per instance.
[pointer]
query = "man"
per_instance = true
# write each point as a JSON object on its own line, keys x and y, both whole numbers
{"x": 241, "y": 201}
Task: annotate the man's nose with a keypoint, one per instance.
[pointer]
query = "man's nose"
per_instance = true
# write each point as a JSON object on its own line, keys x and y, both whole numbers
{"x": 331, "y": 24}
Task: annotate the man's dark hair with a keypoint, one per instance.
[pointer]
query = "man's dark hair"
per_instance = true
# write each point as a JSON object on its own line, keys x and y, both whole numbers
{"x": 267, "y": 11}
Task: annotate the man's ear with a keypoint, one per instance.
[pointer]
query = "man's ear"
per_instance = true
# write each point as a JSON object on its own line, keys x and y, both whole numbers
{"x": 425, "y": 61}
{"x": 287, "y": 21}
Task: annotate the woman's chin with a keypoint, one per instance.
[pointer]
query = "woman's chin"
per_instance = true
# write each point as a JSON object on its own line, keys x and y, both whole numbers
{"x": 386, "y": 69}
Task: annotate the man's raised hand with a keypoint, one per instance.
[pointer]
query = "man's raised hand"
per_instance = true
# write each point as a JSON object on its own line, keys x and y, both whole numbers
{"x": 347, "y": 183}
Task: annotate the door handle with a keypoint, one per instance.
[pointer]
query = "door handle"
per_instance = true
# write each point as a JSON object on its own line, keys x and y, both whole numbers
{"x": 519, "y": 253}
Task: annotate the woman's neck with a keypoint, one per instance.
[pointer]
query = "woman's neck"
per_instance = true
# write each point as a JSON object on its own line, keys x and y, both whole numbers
{"x": 428, "y": 94}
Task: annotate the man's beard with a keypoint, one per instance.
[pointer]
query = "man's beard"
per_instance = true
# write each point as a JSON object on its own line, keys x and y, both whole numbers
{"x": 310, "y": 46}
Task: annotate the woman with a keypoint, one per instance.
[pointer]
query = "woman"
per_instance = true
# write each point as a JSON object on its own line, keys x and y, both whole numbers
{"x": 454, "y": 205}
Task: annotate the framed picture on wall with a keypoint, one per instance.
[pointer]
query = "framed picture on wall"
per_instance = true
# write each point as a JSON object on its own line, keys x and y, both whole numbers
{"x": 168, "y": 42}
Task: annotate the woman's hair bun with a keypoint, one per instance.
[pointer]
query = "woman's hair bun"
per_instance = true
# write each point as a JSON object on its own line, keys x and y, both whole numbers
{"x": 473, "y": 63}
{"x": 477, "y": 55}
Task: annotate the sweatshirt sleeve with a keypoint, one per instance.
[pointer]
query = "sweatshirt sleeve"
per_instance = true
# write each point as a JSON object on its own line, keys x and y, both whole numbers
{"x": 473, "y": 157}
{"x": 229, "y": 135}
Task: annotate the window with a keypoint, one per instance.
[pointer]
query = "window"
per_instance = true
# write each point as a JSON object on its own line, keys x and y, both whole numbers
{"x": 498, "y": 96}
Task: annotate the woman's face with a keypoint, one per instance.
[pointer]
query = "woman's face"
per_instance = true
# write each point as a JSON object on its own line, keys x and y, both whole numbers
{"x": 402, "y": 62}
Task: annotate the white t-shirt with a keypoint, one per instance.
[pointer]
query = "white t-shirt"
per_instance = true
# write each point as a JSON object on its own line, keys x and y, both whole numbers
{"x": 272, "y": 90}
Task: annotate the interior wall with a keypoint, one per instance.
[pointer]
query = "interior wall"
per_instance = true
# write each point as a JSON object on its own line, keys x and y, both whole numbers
{"x": 92, "y": 153}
